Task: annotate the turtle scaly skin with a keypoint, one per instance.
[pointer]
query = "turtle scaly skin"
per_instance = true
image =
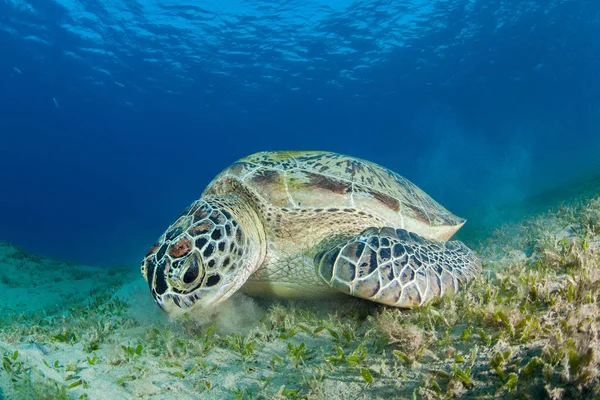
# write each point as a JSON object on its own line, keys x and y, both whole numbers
{"x": 397, "y": 267}
{"x": 309, "y": 224}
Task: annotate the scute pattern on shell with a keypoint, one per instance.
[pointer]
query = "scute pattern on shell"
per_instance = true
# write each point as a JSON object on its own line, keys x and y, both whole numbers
{"x": 289, "y": 179}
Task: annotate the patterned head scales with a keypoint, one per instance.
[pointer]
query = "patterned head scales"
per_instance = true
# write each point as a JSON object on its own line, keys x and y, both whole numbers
{"x": 195, "y": 260}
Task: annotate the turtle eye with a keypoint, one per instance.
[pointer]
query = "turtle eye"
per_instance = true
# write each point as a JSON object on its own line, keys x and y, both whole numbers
{"x": 192, "y": 272}
{"x": 187, "y": 273}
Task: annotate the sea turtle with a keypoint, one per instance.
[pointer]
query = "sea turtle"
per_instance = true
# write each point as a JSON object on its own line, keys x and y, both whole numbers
{"x": 308, "y": 224}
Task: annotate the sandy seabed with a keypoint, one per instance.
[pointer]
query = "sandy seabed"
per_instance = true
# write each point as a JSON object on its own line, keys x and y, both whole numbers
{"x": 528, "y": 328}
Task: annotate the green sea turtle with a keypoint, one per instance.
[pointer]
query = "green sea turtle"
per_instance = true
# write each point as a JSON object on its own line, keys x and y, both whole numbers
{"x": 308, "y": 224}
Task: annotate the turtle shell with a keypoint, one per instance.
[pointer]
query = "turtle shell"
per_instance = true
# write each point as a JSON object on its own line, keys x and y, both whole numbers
{"x": 296, "y": 180}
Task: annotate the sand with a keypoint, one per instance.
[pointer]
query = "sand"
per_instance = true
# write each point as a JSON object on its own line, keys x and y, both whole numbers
{"x": 527, "y": 328}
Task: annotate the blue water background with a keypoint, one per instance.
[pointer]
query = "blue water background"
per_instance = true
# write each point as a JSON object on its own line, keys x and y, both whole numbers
{"x": 114, "y": 115}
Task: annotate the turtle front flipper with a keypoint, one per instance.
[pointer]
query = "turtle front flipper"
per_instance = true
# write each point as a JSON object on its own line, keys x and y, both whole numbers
{"x": 397, "y": 267}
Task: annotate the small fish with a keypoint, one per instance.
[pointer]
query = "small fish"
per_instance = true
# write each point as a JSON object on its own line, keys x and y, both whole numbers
{"x": 17, "y": 70}
{"x": 119, "y": 84}
{"x": 55, "y": 102}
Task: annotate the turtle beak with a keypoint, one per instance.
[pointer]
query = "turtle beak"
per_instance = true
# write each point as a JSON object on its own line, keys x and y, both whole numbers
{"x": 175, "y": 304}
{"x": 160, "y": 304}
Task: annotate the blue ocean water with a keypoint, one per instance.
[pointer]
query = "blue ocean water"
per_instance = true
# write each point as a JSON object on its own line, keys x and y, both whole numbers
{"x": 114, "y": 115}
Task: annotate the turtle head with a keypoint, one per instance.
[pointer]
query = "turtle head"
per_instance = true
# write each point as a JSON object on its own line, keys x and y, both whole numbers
{"x": 202, "y": 258}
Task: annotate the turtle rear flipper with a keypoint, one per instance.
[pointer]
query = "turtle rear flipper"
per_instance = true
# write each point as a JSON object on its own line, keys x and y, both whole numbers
{"x": 397, "y": 267}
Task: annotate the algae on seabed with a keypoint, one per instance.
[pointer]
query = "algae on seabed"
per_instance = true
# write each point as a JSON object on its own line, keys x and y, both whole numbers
{"x": 528, "y": 328}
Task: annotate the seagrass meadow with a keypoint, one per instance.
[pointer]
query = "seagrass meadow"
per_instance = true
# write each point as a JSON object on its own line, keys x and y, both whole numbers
{"x": 529, "y": 328}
